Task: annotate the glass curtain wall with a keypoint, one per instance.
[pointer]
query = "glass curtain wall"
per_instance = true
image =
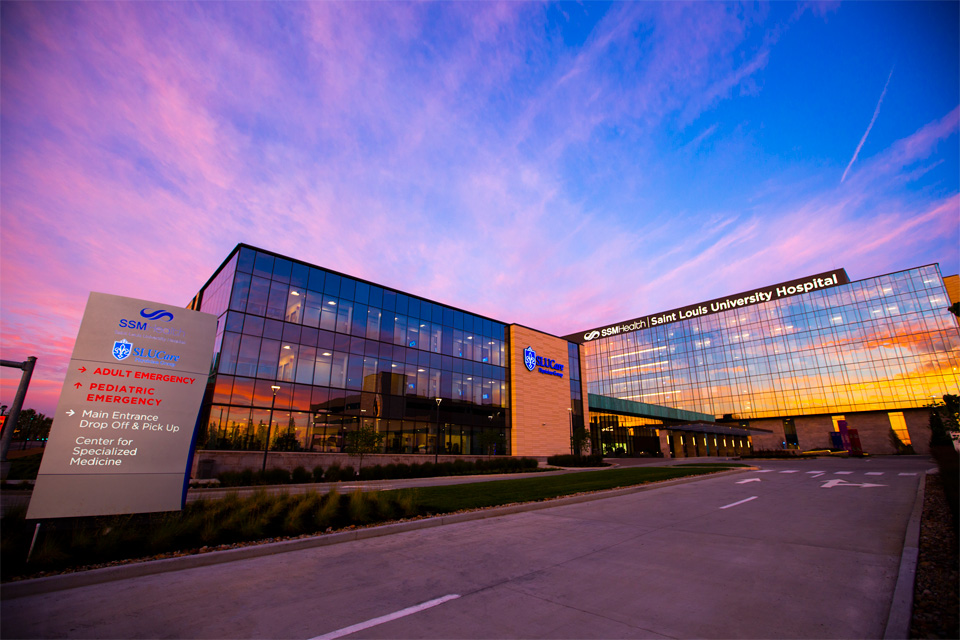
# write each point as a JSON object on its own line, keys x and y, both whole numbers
{"x": 346, "y": 353}
{"x": 887, "y": 342}
{"x": 627, "y": 435}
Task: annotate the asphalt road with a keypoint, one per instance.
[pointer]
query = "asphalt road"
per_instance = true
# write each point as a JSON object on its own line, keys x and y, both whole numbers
{"x": 806, "y": 549}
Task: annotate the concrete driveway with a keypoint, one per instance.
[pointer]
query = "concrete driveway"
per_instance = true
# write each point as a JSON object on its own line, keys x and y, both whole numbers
{"x": 805, "y": 549}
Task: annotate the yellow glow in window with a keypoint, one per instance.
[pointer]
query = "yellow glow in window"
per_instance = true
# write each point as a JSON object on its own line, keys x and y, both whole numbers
{"x": 899, "y": 426}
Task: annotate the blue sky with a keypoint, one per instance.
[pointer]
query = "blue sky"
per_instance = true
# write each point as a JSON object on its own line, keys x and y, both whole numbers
{"x": 557, "y": 165}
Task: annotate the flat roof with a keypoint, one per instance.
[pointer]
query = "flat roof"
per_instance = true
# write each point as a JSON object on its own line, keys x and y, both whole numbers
{"x": 643, "y": 410}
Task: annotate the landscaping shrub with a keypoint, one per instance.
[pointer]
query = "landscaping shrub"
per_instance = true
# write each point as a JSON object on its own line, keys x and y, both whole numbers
{"x": 300, "y": 518}
{"x": 376, "y": 472}
{"x": 359, "y": 507}
{"x": 566, "y": 460}
{"x": 301, "y": 476}
{"x": 275, "y": 476}
{"x": 229, "y": 478}
{"x": 326, "y": 516}
{"x": 392, "y": 471}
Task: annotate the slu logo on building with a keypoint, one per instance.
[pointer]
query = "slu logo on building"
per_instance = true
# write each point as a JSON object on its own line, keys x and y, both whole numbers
{"x": 121, "y": 349}
{"x": 529, "y": 358}
{"x": 544, "y": 365}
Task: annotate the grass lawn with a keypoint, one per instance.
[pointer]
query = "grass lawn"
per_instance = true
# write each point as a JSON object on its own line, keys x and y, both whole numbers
{"x": 445, "y": 499}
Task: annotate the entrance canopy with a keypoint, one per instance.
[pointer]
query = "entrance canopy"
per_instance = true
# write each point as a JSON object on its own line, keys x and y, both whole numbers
{"x": 607, "y": 404}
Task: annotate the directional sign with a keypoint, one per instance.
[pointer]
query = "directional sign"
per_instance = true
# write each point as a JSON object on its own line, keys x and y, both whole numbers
{"x": 123, "y": 429}
{"x": 829, "y": 484}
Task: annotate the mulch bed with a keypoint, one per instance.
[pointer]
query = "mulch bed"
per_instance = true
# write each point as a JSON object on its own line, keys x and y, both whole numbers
{"x": 936, "y": 598}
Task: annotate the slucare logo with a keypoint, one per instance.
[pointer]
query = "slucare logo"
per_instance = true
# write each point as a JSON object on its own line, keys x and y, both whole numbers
{"x": 544, "y": 365}
{"x": 777, "y": 291}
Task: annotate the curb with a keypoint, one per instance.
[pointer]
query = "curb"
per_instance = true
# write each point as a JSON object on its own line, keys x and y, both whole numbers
{"x": 901, "y": 607}
{"x": 50, "y": 584}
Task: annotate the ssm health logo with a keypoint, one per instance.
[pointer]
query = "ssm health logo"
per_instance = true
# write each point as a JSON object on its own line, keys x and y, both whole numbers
{"x": 156, "y": 316}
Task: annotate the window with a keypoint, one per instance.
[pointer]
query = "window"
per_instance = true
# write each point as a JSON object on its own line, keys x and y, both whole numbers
{"x": 899, "y": 426}
{"x": 790, "y": 434}
{"x": 836, "y": 422}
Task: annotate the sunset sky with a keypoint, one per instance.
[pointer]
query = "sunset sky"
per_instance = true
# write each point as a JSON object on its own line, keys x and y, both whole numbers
{"x": 561, "y": 166}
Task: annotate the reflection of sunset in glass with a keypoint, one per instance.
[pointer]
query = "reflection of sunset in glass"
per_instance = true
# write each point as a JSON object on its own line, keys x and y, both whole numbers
{"x": 881, "y": 343}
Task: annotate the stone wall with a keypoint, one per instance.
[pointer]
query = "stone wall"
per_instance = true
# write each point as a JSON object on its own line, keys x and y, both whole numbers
{"x": 873, "y": 427}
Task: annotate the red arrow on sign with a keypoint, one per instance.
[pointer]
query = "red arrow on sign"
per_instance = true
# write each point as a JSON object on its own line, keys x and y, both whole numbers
{"x": 78, "y": 385}
{"x": 82, "y": 369}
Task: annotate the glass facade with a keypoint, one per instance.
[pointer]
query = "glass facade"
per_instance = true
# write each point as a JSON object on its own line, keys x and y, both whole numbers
{"x": 345, "y": 352}
{"x": 881, "y": 343}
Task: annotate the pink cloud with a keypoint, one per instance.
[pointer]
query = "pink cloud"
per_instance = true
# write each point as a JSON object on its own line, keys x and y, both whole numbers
{"x": 143, "y": 141}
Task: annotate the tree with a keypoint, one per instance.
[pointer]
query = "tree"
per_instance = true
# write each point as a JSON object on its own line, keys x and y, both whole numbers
{"x": 362, "y": 440}
{"x": 944, "y": 418}
{"x": 32, "y": 426}
{"x": 580, "y": 440}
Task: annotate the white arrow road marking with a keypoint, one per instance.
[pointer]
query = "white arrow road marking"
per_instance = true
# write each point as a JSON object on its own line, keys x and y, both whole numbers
{"x": 71, "y": 412}
{"x": 749, "y": 480}
{"x": 387, "y": 618}
{"x": 829, "y": 484}
{"x": 733, "y": 504}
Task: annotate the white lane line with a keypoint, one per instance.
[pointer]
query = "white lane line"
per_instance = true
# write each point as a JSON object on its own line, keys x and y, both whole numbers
{"x": 874, "y": 473}
{"x": 789, "y": 471}
{"x": 820, "y": 472}
{"x": 842, "y": 473}
{"x": 764, "y": 471}
{"x": 360, "y": 626}
{"x": 906, "y": 474}
{"x": 740, "y": 502}
{"x": 817, "y": 474}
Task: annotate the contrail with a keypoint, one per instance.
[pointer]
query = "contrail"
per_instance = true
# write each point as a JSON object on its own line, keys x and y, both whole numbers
{"x": 876, "y": 112}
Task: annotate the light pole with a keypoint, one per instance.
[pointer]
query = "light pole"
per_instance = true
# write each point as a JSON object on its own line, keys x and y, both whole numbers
{"x": 570, "y": 412}
{"x": 436, "y": 449}
{"x": 266, "y": 447}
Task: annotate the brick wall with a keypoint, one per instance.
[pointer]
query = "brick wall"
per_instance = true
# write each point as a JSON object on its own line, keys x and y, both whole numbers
{"x": 539, "y": 403}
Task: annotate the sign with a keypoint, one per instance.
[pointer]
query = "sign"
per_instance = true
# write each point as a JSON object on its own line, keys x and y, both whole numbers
{"x": 123, "y": 430}
{"x": 544, "y": 365}
{"x": 758, "y": 296}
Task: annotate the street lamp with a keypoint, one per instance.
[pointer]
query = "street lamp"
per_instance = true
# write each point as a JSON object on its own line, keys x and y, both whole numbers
{"x": 266, "y": 447}
{"x": 436, "y": 449}
{"x": 570, "y": 412}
